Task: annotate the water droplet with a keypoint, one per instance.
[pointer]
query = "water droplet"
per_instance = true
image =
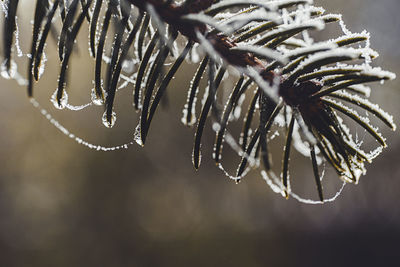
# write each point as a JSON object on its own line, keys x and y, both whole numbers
{"x": 63, "y": 101}
{"x": 109, "y": 124}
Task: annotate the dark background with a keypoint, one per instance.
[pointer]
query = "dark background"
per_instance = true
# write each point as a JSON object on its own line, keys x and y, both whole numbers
{"x": 62, "y": 204}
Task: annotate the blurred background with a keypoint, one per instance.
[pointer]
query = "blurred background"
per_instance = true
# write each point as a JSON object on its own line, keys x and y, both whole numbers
{"x": 62, "y": 204}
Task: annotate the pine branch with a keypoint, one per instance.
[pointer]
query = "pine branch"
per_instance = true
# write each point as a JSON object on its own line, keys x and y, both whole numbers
{"x": 298, "y": 81}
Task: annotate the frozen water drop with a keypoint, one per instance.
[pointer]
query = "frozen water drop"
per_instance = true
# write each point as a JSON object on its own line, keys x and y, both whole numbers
{"x": 96, "y": 100}
{"x": 106, "y": 122}
{"x": 8, "y": 74}
{"x": 216, "y": 127}
{"x": 63, "y": 101}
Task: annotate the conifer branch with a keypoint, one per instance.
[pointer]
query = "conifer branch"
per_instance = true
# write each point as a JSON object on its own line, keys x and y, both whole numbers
{"x": 299, "y": 83}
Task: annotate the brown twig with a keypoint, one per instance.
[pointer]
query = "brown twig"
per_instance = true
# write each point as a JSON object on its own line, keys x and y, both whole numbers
{"x": 172, "y": 14}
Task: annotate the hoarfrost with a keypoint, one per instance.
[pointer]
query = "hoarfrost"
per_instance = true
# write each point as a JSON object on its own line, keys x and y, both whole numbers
{"x": 96, "y": 100}
{"x": 42, "y": 65}
{"x": 137, "y": 135}
{"x": 4, "y": 8}
{"x": 365, "y": 103}
{"x": 228, "y": 22}
{"x": 78, "y": 107}
{"x": 11, "y": 73}
{"x": 106, "y": 122}
{"x": 79, "y": 140}
{"x": 62, "y": 103}
{"x": 276, "y": 185}
{"x": 17, "y": 43}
